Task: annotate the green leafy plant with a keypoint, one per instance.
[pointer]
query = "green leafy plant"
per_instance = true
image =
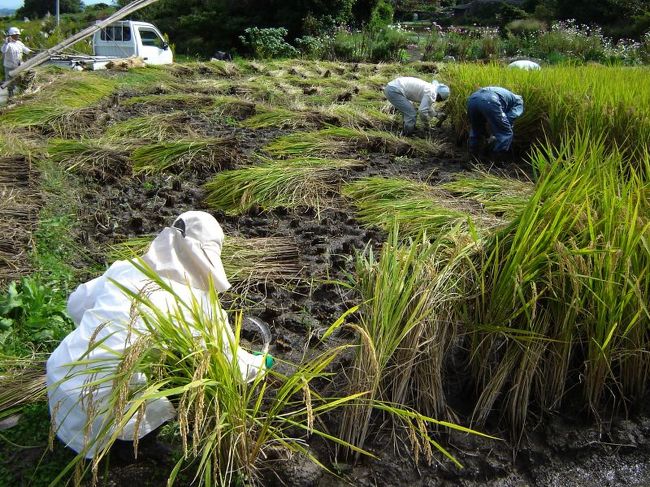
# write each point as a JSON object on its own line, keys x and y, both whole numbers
{"x": 32, "y": 314}
{"x": 268, "y": 43}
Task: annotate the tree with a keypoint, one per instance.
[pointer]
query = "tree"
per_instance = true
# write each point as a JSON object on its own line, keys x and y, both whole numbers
{"x": 38, "y": 8}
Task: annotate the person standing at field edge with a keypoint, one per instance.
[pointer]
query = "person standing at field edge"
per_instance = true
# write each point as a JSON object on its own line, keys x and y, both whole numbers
{"x": 12, "y": 51}
{"x": 401, "y": 92}
{"x": 497, "y": 108}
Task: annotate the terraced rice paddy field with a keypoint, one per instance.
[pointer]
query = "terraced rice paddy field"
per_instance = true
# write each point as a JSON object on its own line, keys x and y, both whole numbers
{"x": 509, "y": 299}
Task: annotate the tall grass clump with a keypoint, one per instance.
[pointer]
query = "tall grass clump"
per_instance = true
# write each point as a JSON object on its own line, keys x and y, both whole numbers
{"x": 181, "y": 155}
{"x": 416, "y": 206}
{"x": 563, "y": 291}
{"x": 405, "y": 329}
{"x": 611, "y": 101}
{"x": 228, "y": 427}
{"x": 290, "y": 183}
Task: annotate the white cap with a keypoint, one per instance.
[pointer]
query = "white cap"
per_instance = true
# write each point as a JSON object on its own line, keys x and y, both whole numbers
{"x": 13, "y": 31}
{"x": 190, "y": 251}
{"x": 443, "y": 91}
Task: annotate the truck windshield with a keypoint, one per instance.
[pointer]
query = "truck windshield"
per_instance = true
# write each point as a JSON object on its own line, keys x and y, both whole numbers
{"x": 116, "y": 33}
{"x": 150, "y": 38}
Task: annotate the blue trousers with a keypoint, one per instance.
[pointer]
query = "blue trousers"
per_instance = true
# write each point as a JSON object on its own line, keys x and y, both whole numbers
{"x": 406, "y": 108}
{"x": 484, "y": 107}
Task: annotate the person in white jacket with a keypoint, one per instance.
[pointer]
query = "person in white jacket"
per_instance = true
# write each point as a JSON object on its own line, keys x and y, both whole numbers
{"x": 401, "y": 92}
{"x": 187, "y": 257}
{"x": 12, "y": 52}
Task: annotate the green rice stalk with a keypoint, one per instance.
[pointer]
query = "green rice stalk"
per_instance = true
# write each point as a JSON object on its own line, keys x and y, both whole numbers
{"x": 406, "y": 293}
{"x": 417, "y": 207}
{"x": 566, "y": 285}
{"x": 343, "y": 139}
{"x": 90, "y": 155}
{"x": 22, "y": 382}
{"x": 159, "y": 127}
{"x": 65, "y": 103}
{"x": 501, "y": 196}
{"x": 183, "y": 155}
{"x": 291, "y": 183}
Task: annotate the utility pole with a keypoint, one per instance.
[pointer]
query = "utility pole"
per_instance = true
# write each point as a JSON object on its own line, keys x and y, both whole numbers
{"x": 57, "y": 13}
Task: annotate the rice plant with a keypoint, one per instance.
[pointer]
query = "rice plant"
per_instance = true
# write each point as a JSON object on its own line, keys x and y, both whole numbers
{"x": 564, "y": 288}
{"x": 14, "y": 141}
{"x": 501, "y": 196}
{"x": 66, "y": 99}
{"x": 344, "y": 139}
{"x": 291, "y": 183}
{"x": 611, "y": 101}
{"x": 407, "y": 294}
{"x": 161, "y": 126}
{"x": 90, "y": 156}
{"x": 277, "y": 118}
{"x": 271, "y": 258}
{"x": 417, "y": 207}
{"x": 22, "y": 382}
{"x": 182, "y": 155}
{"x": 170, "y": 101}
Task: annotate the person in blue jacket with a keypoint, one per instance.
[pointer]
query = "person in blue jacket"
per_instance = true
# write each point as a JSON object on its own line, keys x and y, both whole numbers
{"x": 497, "y": 108}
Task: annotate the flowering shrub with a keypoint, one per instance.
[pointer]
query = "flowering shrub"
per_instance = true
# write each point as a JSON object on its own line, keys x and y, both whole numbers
{"x": 564, "y": 41}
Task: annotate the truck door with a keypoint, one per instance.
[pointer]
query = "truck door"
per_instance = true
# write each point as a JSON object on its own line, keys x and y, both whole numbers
{"x": 115, "y": 41}
{"x": 153, "y": 48}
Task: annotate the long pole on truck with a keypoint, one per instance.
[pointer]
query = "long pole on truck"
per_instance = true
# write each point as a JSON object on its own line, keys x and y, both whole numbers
{"x": 42, "y": 57}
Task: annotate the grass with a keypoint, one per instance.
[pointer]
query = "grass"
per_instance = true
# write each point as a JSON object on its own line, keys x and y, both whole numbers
{"x": 182, "y": 155}
{"x": 415, "y": 206}
{"x": 290, "y": 183}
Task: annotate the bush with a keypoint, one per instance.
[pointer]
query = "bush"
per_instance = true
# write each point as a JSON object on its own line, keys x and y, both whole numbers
{"x": 268, "y": 43}
{"x": 523, "y": 27}
{"x": 387, "y": 44}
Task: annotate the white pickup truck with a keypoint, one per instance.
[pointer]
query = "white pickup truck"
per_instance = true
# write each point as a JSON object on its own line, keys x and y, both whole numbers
{"x": 119, "y": 40}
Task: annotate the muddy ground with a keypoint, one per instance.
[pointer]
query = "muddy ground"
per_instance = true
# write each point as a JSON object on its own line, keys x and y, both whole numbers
{"x": 566, "y": 449}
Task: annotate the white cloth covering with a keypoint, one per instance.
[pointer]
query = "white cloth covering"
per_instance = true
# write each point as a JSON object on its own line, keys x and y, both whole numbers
{"x": 418, "y": 91}
{"x": 101, "y": 305}
{"x": 525, "y": 65}
{"x": 13, "y": 53}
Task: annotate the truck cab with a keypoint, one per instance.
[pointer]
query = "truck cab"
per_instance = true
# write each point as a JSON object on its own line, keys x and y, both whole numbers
{"x": 128, "y": 38}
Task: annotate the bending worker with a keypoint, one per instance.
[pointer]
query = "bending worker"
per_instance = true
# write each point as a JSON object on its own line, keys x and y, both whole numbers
{"x": 12, "y": 51}
{"x": 186, "y": 257}
{"x": 498, "y": 108}
{"x": 404, "y": 90}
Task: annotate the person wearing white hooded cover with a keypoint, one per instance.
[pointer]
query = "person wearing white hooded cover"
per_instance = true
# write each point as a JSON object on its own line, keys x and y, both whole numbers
{"x": 401, "y": 92}
{"x": 187, "y": 257}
